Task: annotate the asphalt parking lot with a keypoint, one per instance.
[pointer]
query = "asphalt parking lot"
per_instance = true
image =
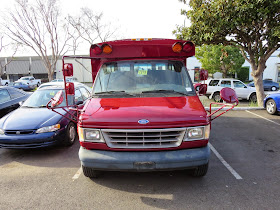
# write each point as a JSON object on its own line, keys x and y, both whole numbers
{"x": 243, "y": 174}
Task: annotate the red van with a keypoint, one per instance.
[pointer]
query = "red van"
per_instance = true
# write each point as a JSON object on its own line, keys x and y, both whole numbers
{"x": 144, "y": 114}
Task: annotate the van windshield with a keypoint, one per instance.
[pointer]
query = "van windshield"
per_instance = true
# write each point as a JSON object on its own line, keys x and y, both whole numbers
{"x": 143, "y": 77}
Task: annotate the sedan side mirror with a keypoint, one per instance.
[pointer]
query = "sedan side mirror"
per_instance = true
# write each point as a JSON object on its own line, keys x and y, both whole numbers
{"x": 57, "y": 99}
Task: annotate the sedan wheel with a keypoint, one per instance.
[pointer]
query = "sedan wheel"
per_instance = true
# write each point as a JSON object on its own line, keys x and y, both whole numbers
{"x": 271, "y": 106}
{"x": 273, "y": 88}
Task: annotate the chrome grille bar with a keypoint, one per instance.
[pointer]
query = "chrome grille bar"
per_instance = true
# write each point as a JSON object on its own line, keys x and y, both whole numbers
{"x": 143, "y": 138}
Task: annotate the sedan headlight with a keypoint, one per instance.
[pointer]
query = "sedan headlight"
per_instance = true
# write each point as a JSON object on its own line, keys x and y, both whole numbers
{"x": 197, "y": 133}
{"x": 2, "y": 132}
{"x": 90, "y": 135}
{"x": 46, "y": 129}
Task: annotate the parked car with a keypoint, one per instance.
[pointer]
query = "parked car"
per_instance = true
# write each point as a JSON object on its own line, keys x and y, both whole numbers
{"x": 272, "y": 103}
{"x": 30, "y": 81}
{"x": 62, "y": 84}
{"x": 243, "y": 91}
{"x": 22, "y": 86}
{"x": 10, "y": 98}
{"x": 68, "y": 79}
{"x": 268, "y": 85}
{"x": 33, "y": 125}
{"x": 4, "y": 81}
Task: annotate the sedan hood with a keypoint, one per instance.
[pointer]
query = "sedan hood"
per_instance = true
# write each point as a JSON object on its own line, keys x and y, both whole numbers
{"x": 29, "y": 119}
{"x": 158, "y": 112}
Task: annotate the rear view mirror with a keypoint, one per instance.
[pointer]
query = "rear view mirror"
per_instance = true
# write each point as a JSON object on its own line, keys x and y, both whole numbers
{"x": 203, "y": 74}
{"x": 57, "y": 99}
{"x": 70, "y": 89}
{"x": 68, "y": 69}
{"x": 202, "y": 89}
{"x": 228, "y": 95}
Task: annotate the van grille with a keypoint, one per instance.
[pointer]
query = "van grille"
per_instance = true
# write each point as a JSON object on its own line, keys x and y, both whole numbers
{"x": 144, "y": 138}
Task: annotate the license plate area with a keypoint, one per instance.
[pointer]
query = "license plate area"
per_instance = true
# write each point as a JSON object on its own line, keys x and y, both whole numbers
{"x": 144, "y": 166}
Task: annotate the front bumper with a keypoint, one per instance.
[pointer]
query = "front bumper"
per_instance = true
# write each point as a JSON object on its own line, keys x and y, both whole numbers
{"x": 144, "y": 161}
{"x": 31, "y": 140}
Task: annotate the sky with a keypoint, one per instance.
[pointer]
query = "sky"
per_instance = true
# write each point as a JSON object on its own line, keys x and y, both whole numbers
{"x": 133, "y": 19}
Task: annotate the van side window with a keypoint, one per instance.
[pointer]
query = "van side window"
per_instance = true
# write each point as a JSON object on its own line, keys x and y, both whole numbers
{"x": 213, "y": 82}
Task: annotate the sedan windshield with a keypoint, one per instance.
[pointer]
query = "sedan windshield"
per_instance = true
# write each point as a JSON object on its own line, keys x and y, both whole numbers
{"x": 143, "y": 77}
{"x": 41, "y": 97}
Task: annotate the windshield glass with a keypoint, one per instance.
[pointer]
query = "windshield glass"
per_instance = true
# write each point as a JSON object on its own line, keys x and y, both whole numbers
{"x": 139, "y": 77}
{"x": 41, "y": 97}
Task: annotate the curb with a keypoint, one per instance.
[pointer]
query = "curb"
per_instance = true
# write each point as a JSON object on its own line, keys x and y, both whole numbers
{"x": 237, "y": 108}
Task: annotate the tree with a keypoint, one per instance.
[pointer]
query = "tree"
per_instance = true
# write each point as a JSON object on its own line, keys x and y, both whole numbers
{"x": 219, "y": 58}
{"x": 253, "y": 26}
{"x": 40, "y": 28}
{"x": 90, "y": 26}
{"x": 2, "y": 47}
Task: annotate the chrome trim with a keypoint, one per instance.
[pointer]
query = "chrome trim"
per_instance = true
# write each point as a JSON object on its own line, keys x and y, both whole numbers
{"x": 143, "y": 138}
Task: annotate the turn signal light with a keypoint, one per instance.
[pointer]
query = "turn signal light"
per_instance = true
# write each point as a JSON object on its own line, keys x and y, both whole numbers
{"x": 107, "y": 49}
{"x": 177, "y": 47}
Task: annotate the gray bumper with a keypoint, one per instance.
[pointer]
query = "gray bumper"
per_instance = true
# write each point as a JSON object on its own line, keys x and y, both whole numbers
{"x": 144, "y": 161}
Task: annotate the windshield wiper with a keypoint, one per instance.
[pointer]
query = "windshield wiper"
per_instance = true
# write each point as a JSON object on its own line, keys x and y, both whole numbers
{"x": 30, "y": 106}
{"x": 113, "y": 92}
{"x": 164, "y": 91}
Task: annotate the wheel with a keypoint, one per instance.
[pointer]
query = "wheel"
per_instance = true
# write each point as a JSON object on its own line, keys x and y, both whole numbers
{"x": 6, "y": 84}
{"x": 200, "y": 171}
{"x": 91, "y": 173}
{"x": 71, "y": 135}
{"x": 38, "y": 84}
{"x": 253, "y": 98}
{"x": 270, "y": 106}
{"x": 197, "y": 88}
{"x": 216, "y": 96}
{"x": 273, "y": 88}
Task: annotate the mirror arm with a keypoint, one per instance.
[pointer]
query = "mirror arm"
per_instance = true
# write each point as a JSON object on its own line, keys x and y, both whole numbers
{"x": 231, "y": 106}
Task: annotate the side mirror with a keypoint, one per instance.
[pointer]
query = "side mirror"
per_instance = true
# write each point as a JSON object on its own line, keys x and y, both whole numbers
{"x": 57, "y": 99}
{"x": 79, "y": 102}
{"x": 70, "y": 89}
{"x": 203, "y": 74}
{"x": 68, "y": 69}
{"x": 229, "y": 95}
{"x": 202, "y": 89}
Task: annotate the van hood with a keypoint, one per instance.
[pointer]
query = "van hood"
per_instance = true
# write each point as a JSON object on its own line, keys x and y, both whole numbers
{"x": 136, "y": 113}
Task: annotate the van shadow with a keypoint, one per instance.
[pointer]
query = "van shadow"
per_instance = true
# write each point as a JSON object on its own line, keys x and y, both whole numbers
{"x": 164, "y": 190}
{"x": 56, "y": 156}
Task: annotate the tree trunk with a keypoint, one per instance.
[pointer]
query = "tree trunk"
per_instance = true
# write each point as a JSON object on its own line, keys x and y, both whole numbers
{"x": 258, "y": 80}
{"x": 50, "y": 75}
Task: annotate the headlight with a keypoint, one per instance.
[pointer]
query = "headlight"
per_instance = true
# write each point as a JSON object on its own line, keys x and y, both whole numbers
{"x": 46, "y": 129}
{"x": 90, "y": 135}
{"x": 197, "y": 133}
{"x": 2, "y": 132}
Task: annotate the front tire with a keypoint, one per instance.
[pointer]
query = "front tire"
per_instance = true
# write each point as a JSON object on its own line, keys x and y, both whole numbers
{"x": 91, "y": 173}
{"x": 270, "y": 107}
{"x": 71, "y": 135}
{"x": 38, "y": 84}
{"x": 200, "y": 171}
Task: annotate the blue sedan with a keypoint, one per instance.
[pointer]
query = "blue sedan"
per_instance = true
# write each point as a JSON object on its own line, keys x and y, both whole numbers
{"x": 33, "y": 125}
{"x": 268, "y": 85}
{"x": 22, "y": 86}
{"x": 272, "y": 103}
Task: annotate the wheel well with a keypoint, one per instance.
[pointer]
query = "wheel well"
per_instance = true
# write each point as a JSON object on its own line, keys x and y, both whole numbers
{"x": 211, "y": 96}
{"x": 254, "y": 93}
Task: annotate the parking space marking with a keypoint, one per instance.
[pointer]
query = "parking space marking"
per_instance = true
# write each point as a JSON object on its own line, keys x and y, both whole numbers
{"x": 231, "y": 170}
{"x": 77, "y": 174}
{"x": 263, "y": 117}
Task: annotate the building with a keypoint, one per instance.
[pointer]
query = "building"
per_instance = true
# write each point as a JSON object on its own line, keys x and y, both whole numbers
{"x": 272, "y": 70}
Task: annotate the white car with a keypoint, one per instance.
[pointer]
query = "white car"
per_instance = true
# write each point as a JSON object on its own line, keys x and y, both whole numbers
{"x": 243, "y": 91}
{"x": 29, "y": 80}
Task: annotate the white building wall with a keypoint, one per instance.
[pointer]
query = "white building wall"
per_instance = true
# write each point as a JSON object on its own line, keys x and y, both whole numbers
{"x": 81, "y": 72}
{"x": 271, "y": 71}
